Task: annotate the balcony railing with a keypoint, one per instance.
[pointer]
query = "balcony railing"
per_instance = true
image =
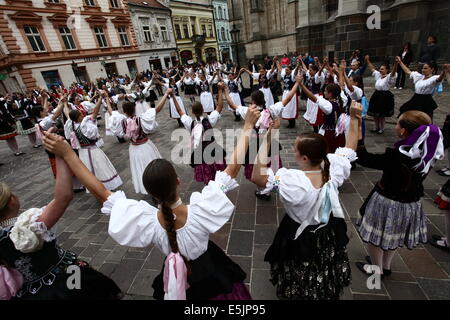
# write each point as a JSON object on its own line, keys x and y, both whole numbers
{"x": 199, "y": 39}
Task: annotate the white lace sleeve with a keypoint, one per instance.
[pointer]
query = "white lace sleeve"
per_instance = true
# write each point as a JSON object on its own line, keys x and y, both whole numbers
{"x": 148, "y": 121}
{"x": 132, "y": 223}
{"x": 211, "y": 209}
{"x": 28, "y": 234}
{"x": 340, "y": 165}
{"x": 214, "y": 117}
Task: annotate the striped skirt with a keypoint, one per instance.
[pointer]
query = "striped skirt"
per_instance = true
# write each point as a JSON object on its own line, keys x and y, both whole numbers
{"x": 390, "y": 224}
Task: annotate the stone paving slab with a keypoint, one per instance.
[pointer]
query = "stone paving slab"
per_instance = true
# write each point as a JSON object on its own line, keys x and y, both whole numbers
{"x": 419, "y": 274}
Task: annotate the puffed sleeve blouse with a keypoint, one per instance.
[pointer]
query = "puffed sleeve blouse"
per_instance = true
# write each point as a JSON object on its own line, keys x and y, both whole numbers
{"x": 296, "y": 191}
{"x": 135, "y": 223}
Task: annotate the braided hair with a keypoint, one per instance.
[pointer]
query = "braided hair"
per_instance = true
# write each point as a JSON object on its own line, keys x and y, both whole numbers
{"x": 160, "y": 180}
{"x": 315, "y": 147}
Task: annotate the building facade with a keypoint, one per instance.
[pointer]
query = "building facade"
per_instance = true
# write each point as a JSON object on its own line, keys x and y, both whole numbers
{"x": 194, "y": 29}
{"x": 337, "y": 27}
{"x": 224, "y": 40}
{"x": 152, "y": 22}
{"x": 51, "y": 42}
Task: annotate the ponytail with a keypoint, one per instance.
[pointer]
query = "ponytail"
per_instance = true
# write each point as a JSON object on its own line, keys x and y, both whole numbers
{"x": 326, "y": 170}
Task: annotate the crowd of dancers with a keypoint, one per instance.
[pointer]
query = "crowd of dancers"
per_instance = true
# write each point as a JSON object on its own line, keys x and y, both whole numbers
{"x": 308, "y": 256}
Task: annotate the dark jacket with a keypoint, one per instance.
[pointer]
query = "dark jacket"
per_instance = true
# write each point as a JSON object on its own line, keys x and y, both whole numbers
{"x": 429, "y": 53}
{"x": 408, "y": 57}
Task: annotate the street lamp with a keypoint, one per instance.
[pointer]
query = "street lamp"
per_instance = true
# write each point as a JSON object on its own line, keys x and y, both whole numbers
{"x": 235, "y": 32}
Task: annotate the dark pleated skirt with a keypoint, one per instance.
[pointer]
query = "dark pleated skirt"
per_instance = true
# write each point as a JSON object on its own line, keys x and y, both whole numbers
{"x": 420, "y": 102}
{"x": 381, "y": 104}
{"x": 313, "y": 267}
{"x": 213, "y": 276}
{"x": 190, "y": 89}
{"x": 94, "y": 286}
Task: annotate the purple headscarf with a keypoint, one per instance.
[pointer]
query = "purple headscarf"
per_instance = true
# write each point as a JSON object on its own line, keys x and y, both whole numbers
{"x": 426, "y": 143}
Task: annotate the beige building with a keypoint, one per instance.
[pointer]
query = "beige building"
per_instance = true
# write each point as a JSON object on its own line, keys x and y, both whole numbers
{"x": 194, "y": 28}
{"x": 47, "y": 42}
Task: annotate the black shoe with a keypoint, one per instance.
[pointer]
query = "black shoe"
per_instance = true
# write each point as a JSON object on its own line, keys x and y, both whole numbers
{"x": 79, "y": 190}
{"x": 19, "y": 154}
{"x": 261, "y": 196}
{"x": 374, "y": 130}
{"x": 386, "y": 272}
{"x": 37, "y": 146}
{"x": 436, "y": 245}
{"x": 361, "y": 265}
{"x": 436, "y": 237}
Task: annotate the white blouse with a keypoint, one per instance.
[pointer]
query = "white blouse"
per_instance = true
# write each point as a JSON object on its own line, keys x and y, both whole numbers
{"x": 135, "y": 223}
{"x": 423, "y": 86}
{"x": 148, "y": 122}
{"x": 357, "y": 93}
{"x": 46, "y": 123}
{"x": 299, "y": 197}
{"x": 88, "y": 128}
{"x": 213, "y": 118}
{"x": 383, "y": 84}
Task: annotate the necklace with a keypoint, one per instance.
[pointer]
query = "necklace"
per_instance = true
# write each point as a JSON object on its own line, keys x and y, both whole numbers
{"x": 316, "y": 171}
{"x": 177, "y": 204}
{"x": 8, "y": 222}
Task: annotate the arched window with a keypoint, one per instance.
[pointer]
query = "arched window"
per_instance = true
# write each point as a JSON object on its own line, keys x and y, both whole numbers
{"x": 225, "y": 14}
{"x": 219, "y": 16}
{"x": 222, "y": 34}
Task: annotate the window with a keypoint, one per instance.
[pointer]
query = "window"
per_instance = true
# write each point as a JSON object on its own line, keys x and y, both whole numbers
{"x": 193, "y": 28}
{"x": 123, "y": 34}
{"x": 53, "y": 1}
{"x": 34, "y": 38}
{"x": 164, "y": 33}
{"x": 90, "y": 3}
{"x": 114, "y": 3}
{"x": 225, "y": 14}
{"x": 178, "y": 31}
{"x": 222, "y": 34}
{"x": 186, "y": 31}
{"x": 147, "y": 33}
{"x": 219, "y": 16}
{"x": 67, "y": 38}
{"x": 204, "y": 29}
{"x": 51, "y": 78}
{"x": 211, "y": 32}
{"x": 101, "y": 38}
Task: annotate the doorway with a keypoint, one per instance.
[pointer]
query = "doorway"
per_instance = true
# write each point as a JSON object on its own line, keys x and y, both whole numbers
{"x": 111, "y": 69}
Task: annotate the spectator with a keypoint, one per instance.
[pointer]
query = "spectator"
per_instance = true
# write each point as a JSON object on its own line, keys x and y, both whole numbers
{"x": 294, "y": 59}
{"x": 268, "y": 63}
{"x": 356, "y": 56}
{"x": 406, "y": 55}
{"x": 430, "y": 52}
{"x": 307, "y": 59}
{"x": 285, "y": 61}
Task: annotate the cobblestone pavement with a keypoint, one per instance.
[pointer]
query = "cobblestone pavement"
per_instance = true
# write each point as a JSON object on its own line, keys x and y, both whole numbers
{"x": 419, "y": 274}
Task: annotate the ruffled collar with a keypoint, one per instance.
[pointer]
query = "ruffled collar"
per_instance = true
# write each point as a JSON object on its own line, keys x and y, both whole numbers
{"x": 8, "y": 223}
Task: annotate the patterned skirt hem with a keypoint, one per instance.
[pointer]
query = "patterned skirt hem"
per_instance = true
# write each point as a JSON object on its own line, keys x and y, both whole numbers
{"x": 8, "y": 136}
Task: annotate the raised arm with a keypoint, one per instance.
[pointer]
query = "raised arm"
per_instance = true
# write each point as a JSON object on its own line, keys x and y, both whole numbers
{"x": 445, "y": 70}
{"x": 63, "y": 195}
{"x": 369, "y": 64}
{"x": 97, "y": 106}
{"x": 230, "y": 101}
{"x": 163, "y": 101}
{"x": 394, "y": 69}
{"x": 343, "y": 75}
{"x": 238, "y": 156}
{"x": 60, "y": 107}
{"x": 221, "y": 86}
{"x": 291, "y": 94}
{"x": 177, "y": 106}
{"x": 108, "y": 103}
{"x": 308, "y": 93}
{"x": 355, "y": 120}
{"x": 259, "y": 174}
{"x": 403, "y": 66}
{"x": 57, "y": 145}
